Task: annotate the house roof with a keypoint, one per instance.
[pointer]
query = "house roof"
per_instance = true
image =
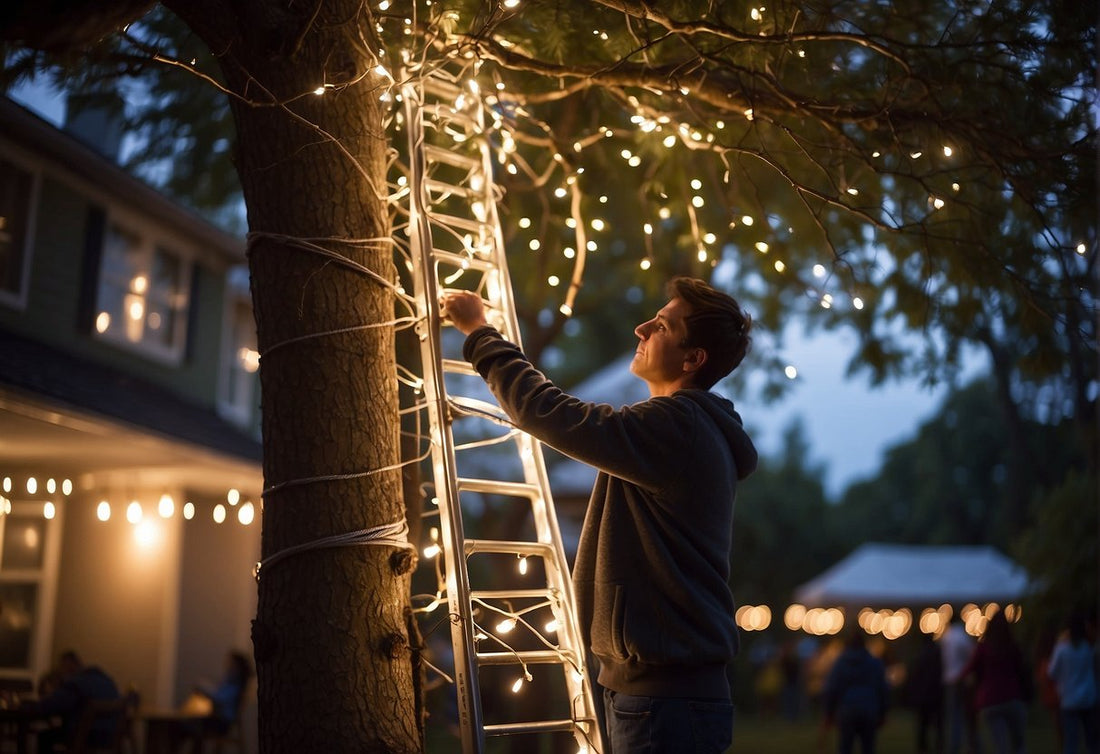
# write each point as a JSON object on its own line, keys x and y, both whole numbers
{"x": 71, "y": 382}
{"x": 75, "y": 157}
{"x": 893, "y": 575}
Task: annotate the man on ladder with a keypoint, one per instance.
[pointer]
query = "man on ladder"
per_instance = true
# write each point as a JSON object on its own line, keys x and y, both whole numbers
{"x": 652, "y": 565}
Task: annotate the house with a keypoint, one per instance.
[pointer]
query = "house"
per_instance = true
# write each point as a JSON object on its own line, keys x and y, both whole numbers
{"x": 130, "y": 473}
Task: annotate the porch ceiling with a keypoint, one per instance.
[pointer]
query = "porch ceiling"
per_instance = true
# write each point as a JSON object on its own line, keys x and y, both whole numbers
{"x": 44, "y": 440}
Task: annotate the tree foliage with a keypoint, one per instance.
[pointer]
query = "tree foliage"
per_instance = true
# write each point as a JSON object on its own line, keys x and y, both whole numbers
{"x": 901, "y": 168}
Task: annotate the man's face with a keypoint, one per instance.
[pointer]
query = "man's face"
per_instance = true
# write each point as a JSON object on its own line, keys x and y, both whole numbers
{"x": 659, "y": 359}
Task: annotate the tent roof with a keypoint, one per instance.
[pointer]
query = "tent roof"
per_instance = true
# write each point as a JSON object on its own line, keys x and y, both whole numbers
{"x": 889, "y": 575}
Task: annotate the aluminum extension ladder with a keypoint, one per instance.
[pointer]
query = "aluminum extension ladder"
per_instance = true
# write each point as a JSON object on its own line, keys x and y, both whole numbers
{"x": 515, "y": 636}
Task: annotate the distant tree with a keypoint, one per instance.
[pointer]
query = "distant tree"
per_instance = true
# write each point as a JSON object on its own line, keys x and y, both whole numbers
{"x": 892, "y": 166}
{"x": 948, "y": 484}
{"x": 782, "y": 534}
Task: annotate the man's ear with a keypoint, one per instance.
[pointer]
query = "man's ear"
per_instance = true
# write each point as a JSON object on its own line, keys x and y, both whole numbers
{"x": 694, "y": 359}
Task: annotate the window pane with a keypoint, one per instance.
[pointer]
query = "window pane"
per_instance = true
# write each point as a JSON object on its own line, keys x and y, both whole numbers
{"x": 24, "y": 543}
{"x": 122, "y": 285}
{"x": 15, "y": 197}
{"x": 18, "y": 611}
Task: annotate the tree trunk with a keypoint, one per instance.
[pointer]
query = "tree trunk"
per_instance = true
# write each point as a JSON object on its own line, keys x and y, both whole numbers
{"x": 331, "y": 635}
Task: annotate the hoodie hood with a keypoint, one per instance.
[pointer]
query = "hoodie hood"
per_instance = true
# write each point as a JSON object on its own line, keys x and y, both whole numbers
{"x": 729, "y": 423}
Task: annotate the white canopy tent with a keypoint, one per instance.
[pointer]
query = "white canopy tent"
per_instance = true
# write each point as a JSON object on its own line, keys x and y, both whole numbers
{"x": 890, "y": 576}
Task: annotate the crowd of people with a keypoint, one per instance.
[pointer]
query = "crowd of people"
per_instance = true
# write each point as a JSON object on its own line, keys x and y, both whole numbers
{"x": 967, "y": 695}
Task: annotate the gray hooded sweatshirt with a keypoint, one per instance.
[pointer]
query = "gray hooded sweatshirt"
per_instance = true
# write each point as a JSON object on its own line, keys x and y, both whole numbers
{"x": 652, "y": 567}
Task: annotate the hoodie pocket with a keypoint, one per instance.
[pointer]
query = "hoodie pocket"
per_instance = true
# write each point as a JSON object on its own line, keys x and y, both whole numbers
{"x": 608, "y": 614}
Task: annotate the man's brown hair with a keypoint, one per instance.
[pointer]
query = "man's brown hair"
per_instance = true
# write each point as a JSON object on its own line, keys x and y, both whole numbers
{"x": 717, "y": 324}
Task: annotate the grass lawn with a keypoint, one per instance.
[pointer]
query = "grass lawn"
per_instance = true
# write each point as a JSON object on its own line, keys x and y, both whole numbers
{"x": 774, "y": 735}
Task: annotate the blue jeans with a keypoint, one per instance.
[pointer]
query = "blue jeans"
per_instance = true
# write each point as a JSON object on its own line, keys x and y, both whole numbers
{"x": 1006, "y": 723}
{"x": 661, "y": 725}
{"x": 1076, "y": 722}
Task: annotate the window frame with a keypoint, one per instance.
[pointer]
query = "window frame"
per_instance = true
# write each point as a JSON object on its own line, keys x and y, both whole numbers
{"x": 236, "y": 404}
{"x": 18, "y": 299}
{"x": 151, "y": 240}
{"x": 44, "y": 578}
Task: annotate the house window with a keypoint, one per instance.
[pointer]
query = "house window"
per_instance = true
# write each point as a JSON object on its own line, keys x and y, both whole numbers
{"x": 24, "y": 544}
{"x": 142, "y": 300}
{"x": 16, "y": 207}
{"x": 242, "y": 362}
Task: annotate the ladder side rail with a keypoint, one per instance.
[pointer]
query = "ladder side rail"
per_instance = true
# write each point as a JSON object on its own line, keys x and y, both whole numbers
{"x": 534, "y": 465}
{"x": 442, "y": 443}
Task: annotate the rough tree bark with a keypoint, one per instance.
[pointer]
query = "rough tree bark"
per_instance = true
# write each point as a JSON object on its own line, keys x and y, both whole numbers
{"x": 331, "y": 636}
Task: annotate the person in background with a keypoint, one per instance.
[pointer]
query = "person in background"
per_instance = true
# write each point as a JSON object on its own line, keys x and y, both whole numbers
{"x": 652, "y": 567}
{"x": 856, "y": 695}
{"x": 925, "y": 686}
{"x": 73, "y": 685}
{"x": 1073, "y": 670}
{"x": 999, "y": 669}
{"x": 956, "y": 647}
{"x": 224, "y": 700}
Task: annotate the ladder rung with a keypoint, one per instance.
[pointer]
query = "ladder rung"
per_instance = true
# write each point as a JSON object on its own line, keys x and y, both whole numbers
{"x": 483, "y": 409}
{"x": 463, "y": 261}
{"x": 532, "y": 657}
{"x": 495, "y": 486}
{"x": 505, "y": 547}
{"x": 487, "y": 595}
{"x": 439, "y": 154}
{"x": 542, "y": 726}
{"x": 459, "y": 366}
{"x": 437, "y": 187}
{"x": 460, "y": 223}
